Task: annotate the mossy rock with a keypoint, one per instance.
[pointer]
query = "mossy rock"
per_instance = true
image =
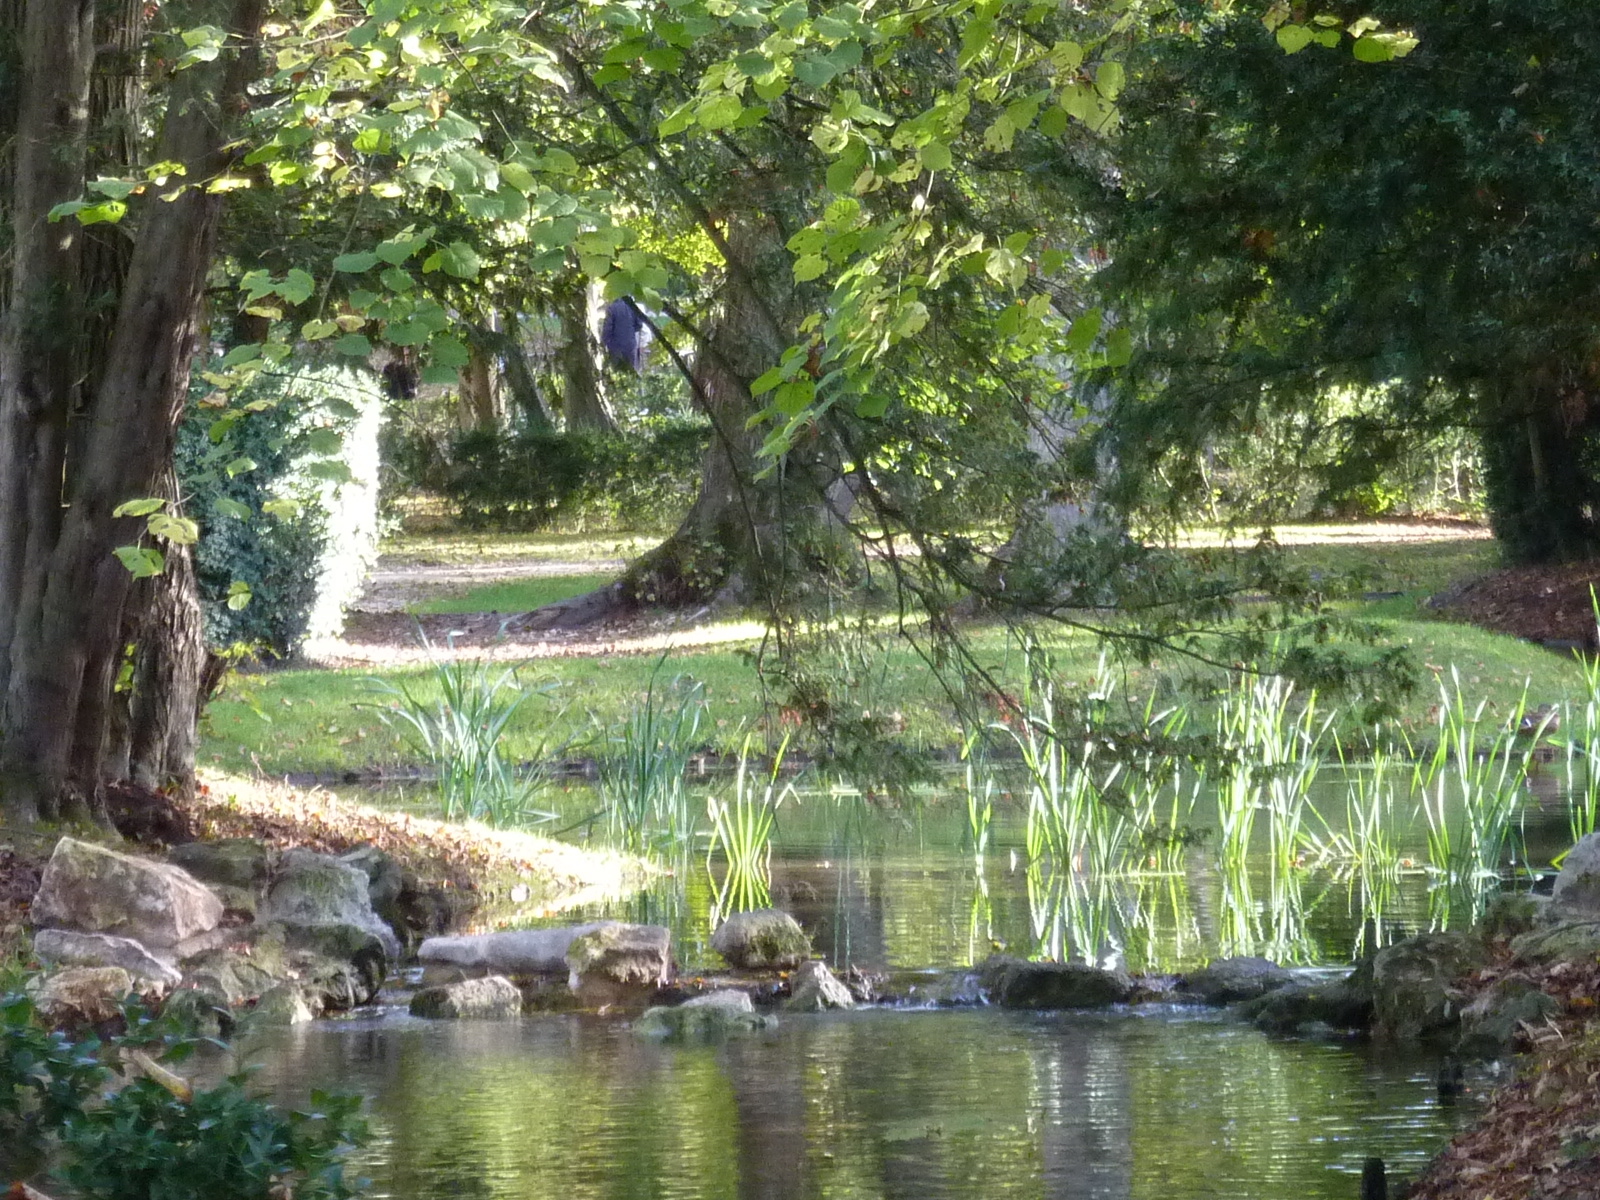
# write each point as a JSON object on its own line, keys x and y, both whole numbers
{"x": 764, "y": 939}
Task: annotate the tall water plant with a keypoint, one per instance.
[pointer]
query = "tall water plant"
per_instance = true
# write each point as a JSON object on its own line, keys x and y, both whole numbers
{"x": 458, "y": 731}
{"x": 1275, "y": 753}
{"x": 741, "y": 833}
{"x": 642, "y": 775}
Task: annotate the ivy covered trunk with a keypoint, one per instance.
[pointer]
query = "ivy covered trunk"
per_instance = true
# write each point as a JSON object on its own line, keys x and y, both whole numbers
{"x": 70, "y": 453}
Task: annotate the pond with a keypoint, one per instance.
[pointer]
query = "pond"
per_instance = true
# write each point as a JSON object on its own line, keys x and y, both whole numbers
{"x": 922, "y": 1101}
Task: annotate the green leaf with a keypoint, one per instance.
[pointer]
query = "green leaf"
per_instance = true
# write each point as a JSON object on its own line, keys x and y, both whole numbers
{"x": 809, "y": 267}
{"x": 396, "y": 280}
{"x": 297, "y": 286}
{"x": 240, "y": 466}
{"x": 282, "y": 508}
{"x": 936, "y": 156}
{"x": 719, "y": 111}
{"x": 1119, "y": 347}
{"x": 354, "y": 344}
{"x": 141, "y": 562}
{"x": 1083, "y": 331}
{"x": 239, "y": 595}
{"x": 228, "y": 507}
{"x": 1293, "y": 38}
{"x": 354, "y": 264}
{"x": 448, "y": 351}
{"x": 460, "y": 260}
{"x": 139, "y": 508}
{"x": 180, "y": 531}
{"x": 444, "y": 376}
{"x": 324, "y": 441}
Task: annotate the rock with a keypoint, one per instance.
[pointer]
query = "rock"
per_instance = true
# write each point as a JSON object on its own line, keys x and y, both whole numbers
{"x": 616, "y": 963}
{"x": 69, "y": 948}
{"x": 316, "y": 891}
{"x": 764, "y": 939}
{"x": 708, "y": 1018}
{"x": 1565, "y": 941}
{"x": 814, "y": 988}
{"x": 95, "y": 890}
{"x": 1577, "y": 890}
{"x": 1414, "y": 991}
{"x": 232, "y": 977}
{"x": 80, "y": 995}
{"x": 1312, "y": 1006}
{"x": 242, "y": 863}
{"x": 1490, "y": 1023}
{"x": 932, "y": 989}
{"x": 202, "y": 1012}
{"x": 385, "y": 879}
{"x": 1512, "y": 914}
{"x": 1230, "y": 980}
{"x": 515, "y": 952}
{"x": 281, "y": 1005}
{"x": 1013, "y": 983}
{"x": 492, "y": 998}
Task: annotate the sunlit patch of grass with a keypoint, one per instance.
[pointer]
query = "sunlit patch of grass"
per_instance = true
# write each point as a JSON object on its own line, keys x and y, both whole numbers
{"x": 467, "y": 546}
{"x": 515, "y": 595}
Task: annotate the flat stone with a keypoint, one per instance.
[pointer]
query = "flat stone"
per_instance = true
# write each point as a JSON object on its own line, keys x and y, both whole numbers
{"x": 1311, "y": 1006}
{"x": 1013, "y": 983}
{"x": 763, "y": 939}
{"x": 1230, "y": 980}
{"x": 814, "y": 988}
{"x": 630, "y": 956}
{"x": 713, "y": 1017}
{"x": 70, "y": 948}
{"x": 513, "y": 952}
{"x": 493, "y": 997}
{"x": 1489, "y": 1025}
{"x": 243, "y": 863}
{"x": 95, "y": 890}
{"x": 80, "y": 995}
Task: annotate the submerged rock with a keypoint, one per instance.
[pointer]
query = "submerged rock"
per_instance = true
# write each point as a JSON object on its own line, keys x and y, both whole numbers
{"x": 619, "y": 964}
{"x": 1314, "y": 1006}
{"x": 763, "y": 939}
{"x": 493, "y": 997}
{"x": 1014, "y": 983}
{"x": 95, "y": 890}
{"x": 708, "y": 1018}
{"x": 513, "y": 952}
{"x": 1414, "y": 984}
{"x": 80, "y": 995}
{"x": 70, "y": 948}
{"x": 1230, "y": 980}
{"x": 814, "y": 988}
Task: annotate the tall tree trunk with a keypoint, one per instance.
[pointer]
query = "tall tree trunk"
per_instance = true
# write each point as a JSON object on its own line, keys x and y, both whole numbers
{"x": 583, "y": 395}
{"x": 62, "y": 642}
{"x": 506, "y": 341}
{"x": 477, "y": 408}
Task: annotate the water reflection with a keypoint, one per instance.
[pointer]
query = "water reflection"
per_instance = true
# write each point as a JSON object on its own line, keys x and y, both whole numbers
{"x": 874, "y": 1104}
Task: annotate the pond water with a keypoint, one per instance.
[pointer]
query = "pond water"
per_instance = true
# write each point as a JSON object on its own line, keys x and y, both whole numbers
{"x": 1156, "y": 1101}
{"x": 1155, "y": 1104}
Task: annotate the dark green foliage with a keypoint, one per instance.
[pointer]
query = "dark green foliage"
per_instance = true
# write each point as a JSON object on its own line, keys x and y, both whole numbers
{"x": 276, "y": 555}
{"x": 1284, "y": 226}
{"x": 530, "y": 480}
{"x": 46, "y": 1078}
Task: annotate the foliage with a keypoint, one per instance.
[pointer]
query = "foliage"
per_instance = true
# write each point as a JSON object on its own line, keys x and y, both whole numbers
{"x": 285, "y": 495}
{"x": 458, "y": 732}
{"x": 642, "y": 764}
{"x": 153, "y": 1137}
{"x": 742, "y": 826}
{"x": 532, "y": 479}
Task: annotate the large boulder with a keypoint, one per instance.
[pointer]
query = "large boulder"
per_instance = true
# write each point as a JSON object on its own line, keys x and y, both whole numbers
{"x": 1564, "y": 941}
{"x": 95, "y": 890}
{"x": 1489, "y": 1024}
{"x": 765, "y": 939}
{"x": 243, "y": 863}
{"x": 493, "y": 997}
{"x": 1577, "y": 891}
{"x": 315, "y": 891}
{"x": 1015, "y": 983}
{"x": 1415, "y": 984}
{"x": 281, "y": 1005}
{"x": 619, "y": 964}
{"x": 513, "y": 952}
{"x": 813, "y": 988}
{"x": 69, "y": 948}
{"x": 1231, "y": 980}
{"x": 712, "y": 1017}
{"x": 1314, "y": 1005}
{"x": 80, "y": 995}
{"x": 335, "y": 967}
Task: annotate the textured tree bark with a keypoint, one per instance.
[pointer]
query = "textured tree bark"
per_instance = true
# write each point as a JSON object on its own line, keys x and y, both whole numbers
{"x": 507, "y": 342}
{"x": 65, "y": 610}
{"x": 477, "y": 392}
{"x": 583, "y": 395}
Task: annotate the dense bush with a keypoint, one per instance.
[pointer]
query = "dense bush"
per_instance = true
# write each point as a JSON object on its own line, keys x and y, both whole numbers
{"x": 285, "y": 493}
{"x": 633, "y": 480}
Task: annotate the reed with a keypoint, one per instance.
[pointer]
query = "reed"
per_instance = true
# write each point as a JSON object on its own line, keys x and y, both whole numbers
{"x": 458, "y": 732}
{"x": 979, "y": 789}
{"x": 741, "y": 832}
{"x": 642, "y": 777}
{"x": 1275, "y": 754}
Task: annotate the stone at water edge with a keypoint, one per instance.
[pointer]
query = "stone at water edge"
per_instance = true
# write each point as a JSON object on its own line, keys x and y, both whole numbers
{"x": 617, "y": 964}
{"x": 813, "y": 988}
{"x": 512, "y": 952}
{"x": 1414, "y": 991}
{"x": 314, "y": 890}
{"x": 1577, "y": 891}
{"x": 493, "y": 997}
{"x": 70, "y": 948}
{"x": 281, "y": 1005}
{"x": 1565, "y": 941}
{"x": 1490, "y": 1023}
{"x": 762, "y": 939}
{"x": 80, "y": 995}
{"x": 1014, "y": 983}
{"x": 1230, "y": 980}
{"x": 95, "y": 890}
{"x": 708, "y": 1018}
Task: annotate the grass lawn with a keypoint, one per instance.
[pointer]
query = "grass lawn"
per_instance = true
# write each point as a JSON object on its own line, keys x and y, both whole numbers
{"x": 515, "y": 596}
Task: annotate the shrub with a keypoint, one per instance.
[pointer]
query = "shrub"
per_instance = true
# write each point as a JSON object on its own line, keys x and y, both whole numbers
{"x": 286, "y": 500}
{"x": 528, "y": 480}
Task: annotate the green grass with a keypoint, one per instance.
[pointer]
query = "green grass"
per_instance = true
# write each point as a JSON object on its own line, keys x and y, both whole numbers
{"x": 515, "y": 596}
{"x": 467, "y": 546}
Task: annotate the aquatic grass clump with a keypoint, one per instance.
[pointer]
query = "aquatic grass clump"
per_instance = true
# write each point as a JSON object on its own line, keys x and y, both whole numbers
{"x": 741, "y": 832}
{"x": 458, "y": 732}
{"x": 642, "y": 769}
